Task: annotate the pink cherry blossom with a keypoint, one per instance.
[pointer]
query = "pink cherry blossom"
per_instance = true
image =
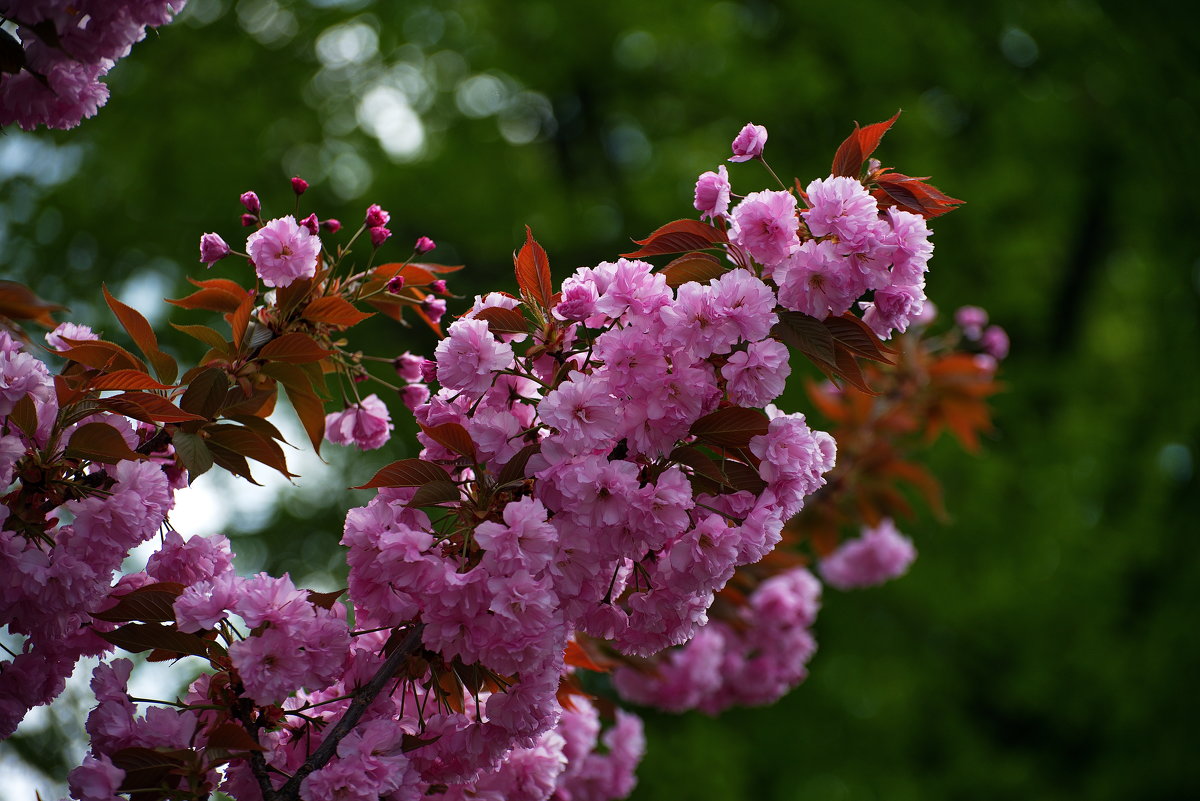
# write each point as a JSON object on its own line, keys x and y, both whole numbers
{"x": 283, "y": 251}
{"x": 749, "y": 142}
{"x": 469, "y": 356}
{"x": 365, "y": 425}
{"x": 880, "y": 554}
{"x": 712, "y": 193}
{"x": 765, "y": 224}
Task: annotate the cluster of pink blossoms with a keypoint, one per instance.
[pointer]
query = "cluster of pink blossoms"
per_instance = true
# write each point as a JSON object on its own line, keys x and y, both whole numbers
{"x": 66, "y": 47}
{"x": 833, "y": 251}
{"x": 597, "y": 463}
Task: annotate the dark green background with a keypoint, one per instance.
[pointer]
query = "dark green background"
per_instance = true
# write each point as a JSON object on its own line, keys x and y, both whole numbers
{"x": 1044, "y": 645}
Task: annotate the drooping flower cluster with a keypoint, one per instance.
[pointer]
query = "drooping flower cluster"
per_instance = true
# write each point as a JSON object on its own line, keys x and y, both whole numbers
{"x": 65, "y": 48}
{"x": 597, "y": 464}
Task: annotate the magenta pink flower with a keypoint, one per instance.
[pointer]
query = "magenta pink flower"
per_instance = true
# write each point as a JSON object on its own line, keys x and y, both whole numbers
{"x": 712, "y": 193}
{"x": 469, "y": 356}
{"x": 424, "y": 244}
{"x": 765, "y": 224}
{"x": 756, "y": 376}
{"x": 841, "y": 206}
{"x": 376, "y": 216}
{"x": 251, "y": 202}
{"x": 995, "y": 341}
{"x": 817, "y": 281}
{"x": 299, "y": 185}
{"x": 749, "y": 142}
{"x": 283, "y": 251}
{"x": 212, "y": 249}
{"x": 892, "y": 309}
{"x": 366, "y": 425}
{"x": 880, "y": 554}
{"x": 57, "y": 338}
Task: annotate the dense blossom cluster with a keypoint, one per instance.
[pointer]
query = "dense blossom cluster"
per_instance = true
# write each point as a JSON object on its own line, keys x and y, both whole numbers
{"x": 65, "y": 48}
{"x": 597, "y": 464}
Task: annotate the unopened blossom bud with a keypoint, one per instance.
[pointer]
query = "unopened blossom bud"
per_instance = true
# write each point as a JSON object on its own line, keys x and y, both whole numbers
{"x": 376, "y": 216}
{"x": 212, "y": 249}
{"x": 439, "y": 286}
{"x": 360, "y": 378}
{"x": 395, "y": 284}
{"x": 971, "y": 319}
{"x": 299, "y": 185}
{"x": 424, "y": 245}
{"x": 408, "y": 366}
{"x": 310, "y": 222}
{"x": 379, "y": 235}
{"x": 331, "y": 225}
{"x": 250, "y": 201}
{"x": 248, "y": 220}
{"x": 995, "y": 342}
{"x": 749, "y": 143}
{"x": 429, "y": 371}
{"x": 434, "y": 308}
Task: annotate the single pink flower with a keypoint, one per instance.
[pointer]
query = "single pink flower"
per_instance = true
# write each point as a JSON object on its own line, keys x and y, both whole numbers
{"x": 212, "y": 249}
{"x": 283, "y": 251}
{"x": 712, "y": 193}
{"x": 749, "y": 142}
{"x": 365, "y": 425}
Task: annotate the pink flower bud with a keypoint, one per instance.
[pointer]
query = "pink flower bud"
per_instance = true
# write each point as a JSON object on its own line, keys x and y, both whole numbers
{"x": 995, "y": 342}
{"x": 971, "y": 319}
{"x": 250, "y": 201}
{"x": 439, "y": 286}
{"x": 331, "y": 225}
{"x": 434, "y": 308}
{"x": 310, "y": 222}
{"x": 249, "y": 220}
{"x": 379, "y": 235}
{"x": 376, "y": 216}
{"x": 212, "y": 249}
{"x": 429, "y": 371}
{"x": 395, "y": 284}
{"x": 424, "y": 245}
{"x": 299, "y": 185}
{"x": 749, "y": 143}
{"x": 360, "y": 378}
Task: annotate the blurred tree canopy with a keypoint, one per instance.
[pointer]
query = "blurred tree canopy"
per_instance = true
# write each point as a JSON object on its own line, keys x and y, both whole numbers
{"x": 1044, "y": 643}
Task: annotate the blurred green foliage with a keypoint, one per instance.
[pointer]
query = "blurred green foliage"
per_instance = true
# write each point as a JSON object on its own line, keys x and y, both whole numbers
{"x": 1044, "y": 645}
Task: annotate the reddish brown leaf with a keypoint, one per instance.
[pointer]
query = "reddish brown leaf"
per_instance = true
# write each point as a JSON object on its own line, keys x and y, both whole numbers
{"x": 514, "y": 468}
{"x": 125, "y": 379}
{"x": 855, "y": 335}
{"x": 216, "y": 294}
{"x": 18, "y": 302}
{"x": 847, "y": 367}
{"x": 254, "y": 423}
{"x": 232, "y": 461}
{"x": 406, "y": 473}
{"x": 576, "y": 656}
{"x": 153, "y": 603}
{"x": 250, "y": 444}
{"x": 680, "y": 236}
{"x": 504, "y": 321}
{"x": 435, "y": 493}
{"x": 239, "y": 318}
{"x": 732, "y": 427}
{"x": 138, "y": 637}
{"x": 413, "y": 274}
{"x": 24, "y": 415}
{"x": 147, "y": 408}
{"x": 101, "y": 355}
{"x": 147, "y": 770}
{"x": 453, "y": 437}
{"x": 206, "y": 335}
{"x": 698, "y": 267}
{"x": 858, "y": 147}
{"x": 533, "y": 271}
{"x": 913, "y": 195}
{"x": 334, "y": 310}
{"x": 294, "y": 295}
{"x": 324, "y": 600}
{"x": 206, "y": 393}
{"x": 100, "y": 442}
{"x": 311, "y": 412}
{"x": 142, "y": 334}
{"x": 807, "y": 335}
{"x": 294, "y": 348}
{"x": 232, "y": 737}
{"x": 197, "y": 459}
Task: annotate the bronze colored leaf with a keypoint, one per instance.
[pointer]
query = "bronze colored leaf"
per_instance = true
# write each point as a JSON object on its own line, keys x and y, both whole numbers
{"x": 100, "y": 442}
{"x": 732, "y": 427}
{"x": 533, "y": 271}
{"x": 679, "y": 236}
{"x": 294, "y": 348}
{"x": 406, "y": 473}
{"x": 698, "y": 267}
